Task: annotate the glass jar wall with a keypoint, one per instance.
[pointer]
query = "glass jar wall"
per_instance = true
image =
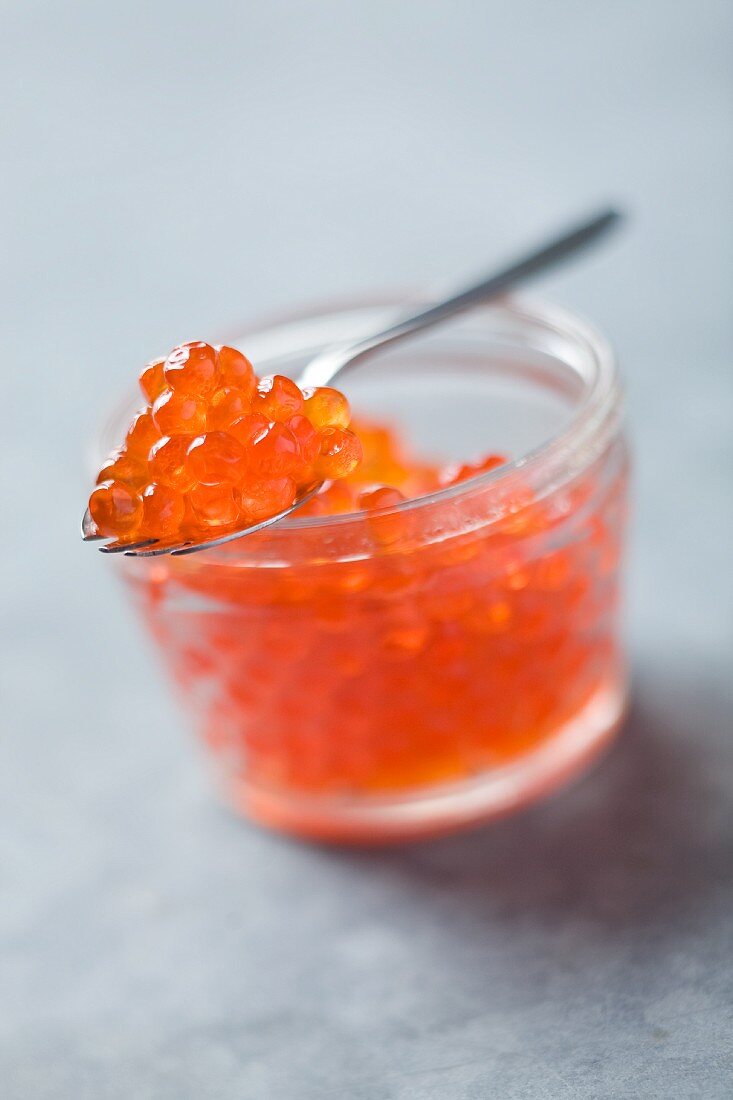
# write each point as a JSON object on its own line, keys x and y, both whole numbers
{"x": 367, "y": 678}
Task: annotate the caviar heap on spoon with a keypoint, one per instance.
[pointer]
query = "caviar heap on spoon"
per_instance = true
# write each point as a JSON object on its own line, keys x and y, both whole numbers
{"x": 216, "y": 450}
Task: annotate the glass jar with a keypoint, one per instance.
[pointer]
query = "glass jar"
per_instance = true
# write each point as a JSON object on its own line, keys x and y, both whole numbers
{"x": 400, "y": 674}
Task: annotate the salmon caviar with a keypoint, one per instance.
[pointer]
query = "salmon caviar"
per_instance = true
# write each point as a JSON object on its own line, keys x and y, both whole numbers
{"x": 249, "y": 428}
{"x": 142, "y": 433}
{"x": 216, "y": 459}
{"x": 227, "y": 405}
{"x": 163, "y": 511}
{"x": 115, "y": 508}
{"x": 340, "y": 498}
{"x": 275, "y": 452}
{"x": 176, "y": 413}
{"x": 454, "y": 474}
{"x": 382, "y": 497}
{"x": 167, "y": 462}
{"x": 385, "y": 456}
{"x": 215, "y": 449}
{"x": 236, "y": 372}
{"x": 316, "y": 506}
{"x": 152, "y": 380}
{"x": 213, "y": 505}
{"x": 261, "y": 499}
{"x": 334, "y": 499}
{"x": 385, "y": 529}
{"x": 309, "y": 439}
{"x": 341, "y": 453}
{"x": 192, "y": 368}
{"x": 277, "y": 398}
{"x": 122, "y": 465}
{"x": 327, "y": 408}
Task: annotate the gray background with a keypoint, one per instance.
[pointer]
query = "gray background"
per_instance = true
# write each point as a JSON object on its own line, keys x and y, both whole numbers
{"x": 170, "y": 170}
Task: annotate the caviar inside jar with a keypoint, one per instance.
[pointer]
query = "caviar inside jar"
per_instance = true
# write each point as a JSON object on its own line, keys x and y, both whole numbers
{"x": 406, "y": 665}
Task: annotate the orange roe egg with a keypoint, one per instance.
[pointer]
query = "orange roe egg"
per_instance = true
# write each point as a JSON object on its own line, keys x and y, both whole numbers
{"x": 152, "y": 380}
{"x": 391, "y": 527}
{"x": 340, "y": 498}
{"x": 382, "y": 497}
{"x": 226, "y": 406}
{"x": 454, "y": 474}
{"x": 167, "y": 462}
{"x": 216, "y": 458}
{"x": 215, "y": 446}
{"x": 115, "y": 508}
{"x": 192, "y": 368}
{"x": 274, "y": 453}
{"x": 249, "y": 428}
{"x": 124, "y": 466}
{"x": 214, "y": 505}
{"x": 179, "y": 414}
{"x": 315, "y": 507}
{"x": 491, "y": 462}
{"x": 190, "y": 523}
{"x": 264, "y": 498}
{"x": 163, "y": 511}
{"x": 236, "y": 371}
{"x": 277, "y": 398}
{"x": 327, "y": 408}
{"x": 341, "y": 453}
{"x": 141, "y": 434}
{"x": 309, "y": 440}
{"x": 385, "y": 459}
{"x": 335, "y": 499}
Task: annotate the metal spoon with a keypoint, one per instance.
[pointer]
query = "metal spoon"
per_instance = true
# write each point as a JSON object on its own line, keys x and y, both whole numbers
{"x": 329, "y": 364}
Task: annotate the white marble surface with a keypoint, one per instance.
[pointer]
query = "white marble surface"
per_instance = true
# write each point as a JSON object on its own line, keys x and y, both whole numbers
{"x": 172, "y": 169}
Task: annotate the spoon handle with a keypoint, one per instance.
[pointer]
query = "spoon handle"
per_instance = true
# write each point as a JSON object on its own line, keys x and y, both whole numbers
{"x": 324, "y": 368}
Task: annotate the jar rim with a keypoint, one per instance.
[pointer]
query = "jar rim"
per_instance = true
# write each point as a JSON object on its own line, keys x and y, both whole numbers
{"x": 596, "y": 410}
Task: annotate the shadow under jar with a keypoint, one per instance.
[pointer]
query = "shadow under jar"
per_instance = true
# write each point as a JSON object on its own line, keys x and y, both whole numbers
{"x": 372, "y": 678}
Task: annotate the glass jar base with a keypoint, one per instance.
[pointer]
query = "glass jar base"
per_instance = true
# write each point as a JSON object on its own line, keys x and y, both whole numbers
{"x": 414, "y": 815}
